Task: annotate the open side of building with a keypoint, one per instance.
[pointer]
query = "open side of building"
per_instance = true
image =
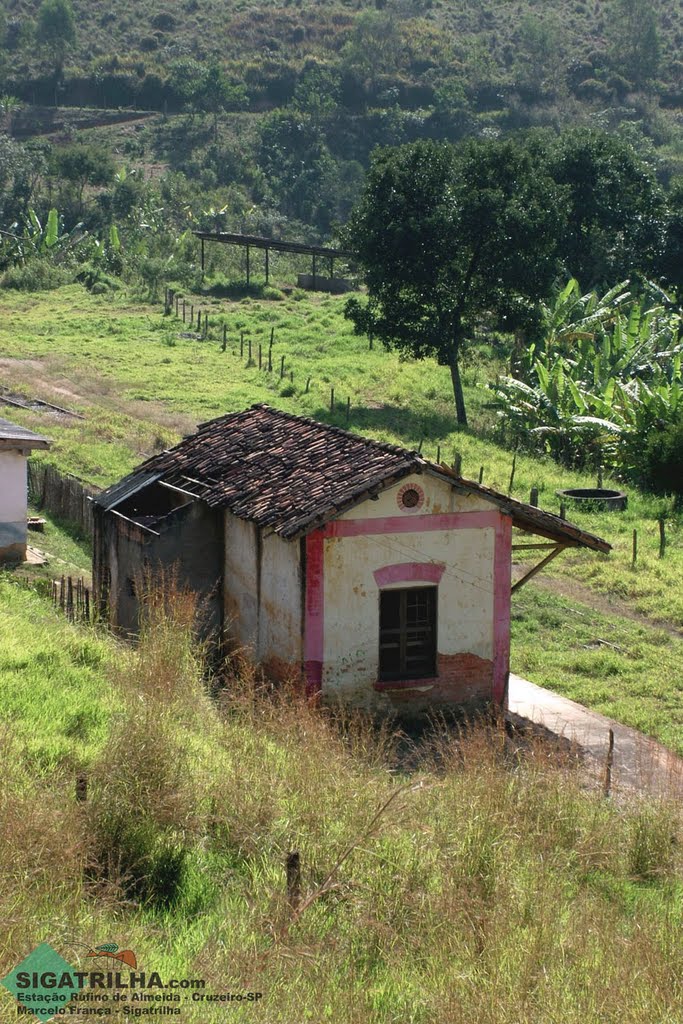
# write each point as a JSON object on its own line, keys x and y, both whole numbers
{"x": 371, "y": 575}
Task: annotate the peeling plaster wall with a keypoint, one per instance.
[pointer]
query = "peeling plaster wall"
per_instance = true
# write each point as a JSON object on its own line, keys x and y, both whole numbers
{"x": 280, "y": 646}
{"x": 240, "y": 597}
{"x": 13, "y": 502}
{"x": 466, "y": 602}
{"x": 263, "y": 599}
{"x": 439, "y": 496}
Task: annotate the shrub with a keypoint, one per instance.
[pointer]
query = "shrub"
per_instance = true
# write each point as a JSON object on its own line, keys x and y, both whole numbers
{"x": 660, "y": 466}
{"x": 39, "y": 275}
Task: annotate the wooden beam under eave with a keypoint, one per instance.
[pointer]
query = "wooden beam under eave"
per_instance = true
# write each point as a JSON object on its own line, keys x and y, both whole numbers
{"x": 537, "y": 568}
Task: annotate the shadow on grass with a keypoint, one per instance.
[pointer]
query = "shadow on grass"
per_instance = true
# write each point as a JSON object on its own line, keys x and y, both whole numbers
{"x": 73, "y": 532}
{"x": 410, "y": 425}
{"x": 239, "y": 290}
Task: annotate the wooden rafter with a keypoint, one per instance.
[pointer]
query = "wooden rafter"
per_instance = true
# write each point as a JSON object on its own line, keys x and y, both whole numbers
{"x": 540, "y": 565}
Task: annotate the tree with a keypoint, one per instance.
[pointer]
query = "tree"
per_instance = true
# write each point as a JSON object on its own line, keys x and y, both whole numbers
{"x": 215, "y": 94}
{"x": 84, "y": 165}
{"x": 615, "y": 209}
{"x": 446, "y": 235}
{"x": 56, "y": 29}
{"x": 634, "y": 40}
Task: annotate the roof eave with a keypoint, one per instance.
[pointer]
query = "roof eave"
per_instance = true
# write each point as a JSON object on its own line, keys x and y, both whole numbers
{"x": 526, "y": 517}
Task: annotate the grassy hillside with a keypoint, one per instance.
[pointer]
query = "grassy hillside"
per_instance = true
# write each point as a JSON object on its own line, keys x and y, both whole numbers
{"x": 478, "y": 886}
{"x": 142, "y": 380}
{"x": 483, "y": 43}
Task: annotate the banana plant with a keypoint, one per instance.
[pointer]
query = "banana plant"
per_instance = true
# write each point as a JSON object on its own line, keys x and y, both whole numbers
{"x": 607, "y": 371}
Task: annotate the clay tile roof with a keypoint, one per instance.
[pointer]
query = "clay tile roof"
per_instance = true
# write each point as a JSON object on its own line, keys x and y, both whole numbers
{"x": 292, "y": 474}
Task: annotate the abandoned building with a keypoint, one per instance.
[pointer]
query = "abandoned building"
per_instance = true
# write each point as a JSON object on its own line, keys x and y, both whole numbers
{"x": 16, "y": 444}
{"x": 362, "y": 569}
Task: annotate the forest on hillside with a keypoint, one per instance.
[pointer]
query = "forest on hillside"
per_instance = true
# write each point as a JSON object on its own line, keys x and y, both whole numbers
{"x": 126, "y": 130}
{"x": 266, "y": 115}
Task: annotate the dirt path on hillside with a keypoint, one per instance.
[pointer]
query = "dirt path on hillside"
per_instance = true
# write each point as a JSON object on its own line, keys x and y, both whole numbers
{"x": 604, "y": 604}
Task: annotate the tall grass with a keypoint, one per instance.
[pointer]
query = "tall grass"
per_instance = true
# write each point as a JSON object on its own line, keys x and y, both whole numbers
{"x": 493, "y": 888}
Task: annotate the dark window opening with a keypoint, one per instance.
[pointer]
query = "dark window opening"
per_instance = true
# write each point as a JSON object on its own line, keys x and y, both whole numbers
{"x": 411, "y": 498}
{"x": 407, "y": 633}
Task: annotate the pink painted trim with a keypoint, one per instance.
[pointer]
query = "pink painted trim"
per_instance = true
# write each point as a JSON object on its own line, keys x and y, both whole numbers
{"x": 409, "y": 572}
{"x": 411, "y": 524}
{"x": 315, "y": 597}
{"x": 502, "y": 570}
{"x": 315, "y": 612}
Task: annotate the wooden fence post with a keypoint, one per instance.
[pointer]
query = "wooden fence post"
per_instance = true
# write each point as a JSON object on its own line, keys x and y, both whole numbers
{"x": 293, "y": 868}
{"x": 607, "y": 784}
{"x": 662, "y": 537}
{"x": 282, "y": 367}
{"x": 81, "y": 787}
{"x": 512, "y": 473}
{"x": 533, "y": 497}
{"x": 481, "y": 474}
{"x": 635, "y": 547}
{"x": 331, "y": 399}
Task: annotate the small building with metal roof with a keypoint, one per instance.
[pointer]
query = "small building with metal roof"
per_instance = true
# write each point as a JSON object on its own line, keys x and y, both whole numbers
{"x": 16, "y": 444}
{"x": 373, "y": 576}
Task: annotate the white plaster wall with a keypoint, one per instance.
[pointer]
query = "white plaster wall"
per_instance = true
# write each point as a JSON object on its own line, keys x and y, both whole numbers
{"x": 280, "y": 613}
{"x": 262, "y": 594}
{"x": 351, "y": 601}
{"x": 13, "y": 498}
{"x": 240, "y": 586}
{"x": 439, "y": 497}
{"x": 13, "y": 494}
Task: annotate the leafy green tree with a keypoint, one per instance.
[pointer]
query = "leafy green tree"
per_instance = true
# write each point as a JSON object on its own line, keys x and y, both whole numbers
{"x": 634, "y": 44}
{"x": 56, "y": 29}
{"x": 670, "y": 262}
{"x": 375, "y": 44}
{"x": 299, "y": 168}
{"x": 446, "y": 235}
{"x": 215, "y": 94}
{"x": 9, "y": 105}
{"x": 539, "y": 45}
{"x": 19, "y": 172}
{"x": 616, "y": 207}
{"x": 81, "y": 166}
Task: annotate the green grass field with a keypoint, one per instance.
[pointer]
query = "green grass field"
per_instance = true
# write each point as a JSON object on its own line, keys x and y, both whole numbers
{"x": 141, "y": 385}
{"x": 492, "y": 888}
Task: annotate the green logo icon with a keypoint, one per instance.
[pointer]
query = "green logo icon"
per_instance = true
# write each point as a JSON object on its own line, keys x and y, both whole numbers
{"x": 43, "y": 983}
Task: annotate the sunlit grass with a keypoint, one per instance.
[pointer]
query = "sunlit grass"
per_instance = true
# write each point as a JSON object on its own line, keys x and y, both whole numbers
{"x": 493, "y": 889}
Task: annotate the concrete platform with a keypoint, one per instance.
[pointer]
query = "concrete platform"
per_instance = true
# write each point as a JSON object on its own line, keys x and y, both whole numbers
{"x": 640, "y": 764}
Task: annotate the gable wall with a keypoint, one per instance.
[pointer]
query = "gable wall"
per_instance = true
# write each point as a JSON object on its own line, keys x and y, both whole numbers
{"x": 459, "y": 543}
